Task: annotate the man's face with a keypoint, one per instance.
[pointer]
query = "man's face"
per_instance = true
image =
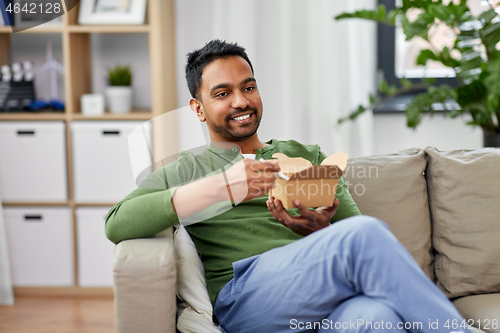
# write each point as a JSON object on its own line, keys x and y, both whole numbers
{"x": 229, "y": 100}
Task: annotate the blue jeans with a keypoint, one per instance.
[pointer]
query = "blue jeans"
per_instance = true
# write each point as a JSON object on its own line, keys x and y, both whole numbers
{"x": 353, "y": 276}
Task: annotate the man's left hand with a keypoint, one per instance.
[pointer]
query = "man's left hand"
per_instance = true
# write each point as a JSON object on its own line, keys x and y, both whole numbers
{"x": 307, "y": 223}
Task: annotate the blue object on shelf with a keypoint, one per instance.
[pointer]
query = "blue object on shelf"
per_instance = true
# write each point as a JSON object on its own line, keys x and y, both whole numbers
{"x": 40, "y": 105}
{"x": 8, "y": 18}
{"x": 56, "y": 104}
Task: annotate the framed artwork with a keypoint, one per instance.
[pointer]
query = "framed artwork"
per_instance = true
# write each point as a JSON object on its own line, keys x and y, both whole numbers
{"x": 31, "y": 13}
{"x": 112, "y": 11}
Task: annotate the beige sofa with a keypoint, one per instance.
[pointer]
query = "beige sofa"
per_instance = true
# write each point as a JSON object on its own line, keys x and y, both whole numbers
{"x": 443, "y": 206}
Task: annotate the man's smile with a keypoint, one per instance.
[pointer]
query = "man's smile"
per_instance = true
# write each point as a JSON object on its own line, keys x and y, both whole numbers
{"x": 244, "y": 118}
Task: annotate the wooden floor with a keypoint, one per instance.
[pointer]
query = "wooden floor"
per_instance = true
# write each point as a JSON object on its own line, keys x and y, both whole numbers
{"x": 58, "y": 315}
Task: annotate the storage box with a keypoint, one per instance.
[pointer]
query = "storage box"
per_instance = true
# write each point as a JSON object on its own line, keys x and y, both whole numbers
{"x": 40, "y": 246}
{"x": 101, "y": 162}
{"x": 95, "y": 251}
{"x": 33, "y": 161}
{"x": 312, "y": 185}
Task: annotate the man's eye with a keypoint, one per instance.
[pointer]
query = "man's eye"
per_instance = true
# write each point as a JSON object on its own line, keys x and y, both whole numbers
{"x": 221, "y": 94}
{"x": 250, "y": 88}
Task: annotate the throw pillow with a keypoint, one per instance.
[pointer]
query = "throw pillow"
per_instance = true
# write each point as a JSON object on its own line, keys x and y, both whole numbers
{"x": 393, "y": 189}
{"x": 196, "y": 314}
{"x": 464, "y": 193}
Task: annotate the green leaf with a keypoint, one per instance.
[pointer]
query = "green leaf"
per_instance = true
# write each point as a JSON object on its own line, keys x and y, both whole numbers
{"x": 422, "y": 103}
{"x": 471, "y": 93}
{"x": 429, "y": 80}
{"x": 361, "y": 109}
{"x": 439, "y": 11}
{"x": 407, "y": 84}
{"x": 424, "y": 56}
{"x": 393, "y": 90}
{"x": 120, "y": 76}
{"x": 393, "y": 14}
{"x": 382, "y": 13}
{"x": 487, "y": 16}
{"x": 384, "y": 87}
{"x": 371, "y": 15}
{"x": 492, "y": 82}
{"x": 419, "y": 27}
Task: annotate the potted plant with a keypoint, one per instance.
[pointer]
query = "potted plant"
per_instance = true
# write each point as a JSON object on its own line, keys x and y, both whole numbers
{"x": 474, "y": 57}
{"x": 119, "y": 91}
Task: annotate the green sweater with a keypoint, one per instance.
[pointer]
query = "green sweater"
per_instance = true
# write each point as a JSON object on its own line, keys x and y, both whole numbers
{"x": 237, "y": 233}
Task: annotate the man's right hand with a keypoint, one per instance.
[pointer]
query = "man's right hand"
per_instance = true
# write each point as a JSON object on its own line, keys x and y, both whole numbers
{"x": 249, "y": 179}
{"x": 243, "y": 181}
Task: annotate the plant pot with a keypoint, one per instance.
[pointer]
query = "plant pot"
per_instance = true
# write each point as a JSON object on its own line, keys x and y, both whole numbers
{"x": 491, "y": 139}
{"x": 119, "y": 99}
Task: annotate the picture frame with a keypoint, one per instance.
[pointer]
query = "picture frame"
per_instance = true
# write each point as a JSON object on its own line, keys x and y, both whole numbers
{"x": 112, "y": 12}
{"x": 37, "y": 13}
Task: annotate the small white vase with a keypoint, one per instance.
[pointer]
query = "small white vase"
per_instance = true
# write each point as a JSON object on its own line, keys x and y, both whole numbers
{"x": 119, "y": 99}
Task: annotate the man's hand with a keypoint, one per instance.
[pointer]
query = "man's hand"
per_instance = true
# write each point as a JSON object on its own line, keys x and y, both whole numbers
{"x": 249, "y": 179}
{"x": 307, "y": 223}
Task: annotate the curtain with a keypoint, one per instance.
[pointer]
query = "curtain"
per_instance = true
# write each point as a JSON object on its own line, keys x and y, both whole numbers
{"x": 310, "y": 69}
{"x": 6, "y": 293}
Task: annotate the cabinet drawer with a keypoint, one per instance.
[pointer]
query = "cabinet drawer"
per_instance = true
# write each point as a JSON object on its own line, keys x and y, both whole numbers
{"x": 40, "y": 246}
{"x": 33, "y": 161}
{"x": 102, "y": 166}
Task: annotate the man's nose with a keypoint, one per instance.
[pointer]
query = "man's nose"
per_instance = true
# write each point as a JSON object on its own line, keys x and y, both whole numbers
{"x": 239, "y": 101}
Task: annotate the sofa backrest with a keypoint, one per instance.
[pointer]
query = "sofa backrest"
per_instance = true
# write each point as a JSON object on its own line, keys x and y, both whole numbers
{"x": 442, "y": 206}
{"x": 464, "y": 196}
{"x": 393, "y": 188}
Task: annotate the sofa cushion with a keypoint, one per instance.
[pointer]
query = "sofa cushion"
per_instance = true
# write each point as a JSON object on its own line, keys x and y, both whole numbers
{"x": 393, "y": 189}
{"x": 195, "y": 315}
{"x": 464, "y": 196}
{"x": 481, "y": 311}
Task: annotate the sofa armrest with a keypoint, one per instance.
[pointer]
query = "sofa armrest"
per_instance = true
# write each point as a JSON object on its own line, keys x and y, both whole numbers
{"x": 144, "y": 285}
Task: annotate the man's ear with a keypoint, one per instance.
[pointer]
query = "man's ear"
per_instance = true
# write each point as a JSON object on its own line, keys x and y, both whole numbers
{"x": 197, "y": 107}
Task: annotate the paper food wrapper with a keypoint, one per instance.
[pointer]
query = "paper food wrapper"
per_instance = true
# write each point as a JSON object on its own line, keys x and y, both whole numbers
{"x": 312, "y": 185}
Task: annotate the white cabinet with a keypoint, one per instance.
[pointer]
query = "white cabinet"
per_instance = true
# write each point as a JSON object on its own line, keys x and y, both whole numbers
{"x": 33, "y": 161}
{"x": 101, "y": 161}
{"x": 95, "y": 251}
{"x": 40, "y": 246}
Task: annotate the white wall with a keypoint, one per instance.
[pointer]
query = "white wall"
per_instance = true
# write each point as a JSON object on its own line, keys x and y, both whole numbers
{"x": 392, "y": 135}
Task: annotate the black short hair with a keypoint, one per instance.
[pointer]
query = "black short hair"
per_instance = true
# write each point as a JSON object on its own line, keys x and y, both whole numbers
{"x": 213, "y": 50}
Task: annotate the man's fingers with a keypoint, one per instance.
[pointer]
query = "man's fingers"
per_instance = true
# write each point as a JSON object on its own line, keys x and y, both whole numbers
{"x": 272, "y": 208}
{"x": 303, "y": 209}
{"x": 330, "y": 211}
{"x": 282, "y": 213}
{"x": 264, "y": 166}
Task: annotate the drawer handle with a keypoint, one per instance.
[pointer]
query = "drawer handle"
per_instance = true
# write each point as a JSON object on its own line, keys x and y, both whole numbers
{"x": 33, "y": 218}
{"x": 110, "y": 132}
{"x": 25, "y": 132}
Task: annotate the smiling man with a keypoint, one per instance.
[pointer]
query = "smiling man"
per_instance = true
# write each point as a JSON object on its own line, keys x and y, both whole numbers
{"x": 269, "y": 269}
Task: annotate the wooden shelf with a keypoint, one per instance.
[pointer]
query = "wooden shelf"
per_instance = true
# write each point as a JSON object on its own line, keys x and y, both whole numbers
{"x": 136, "y": 114}
{"x": 36, "y": 204}
{"x": 95, "y": 204}
{"x": 32, "y": 116}
{"x": 82, "y": 29}
{"x": 109, "y": 28}
{"x": 35, "y": 30}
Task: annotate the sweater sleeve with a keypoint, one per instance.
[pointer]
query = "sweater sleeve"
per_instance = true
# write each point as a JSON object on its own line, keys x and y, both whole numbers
{"x": 347, "y": 206}
{"x": 145, "y": 212}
